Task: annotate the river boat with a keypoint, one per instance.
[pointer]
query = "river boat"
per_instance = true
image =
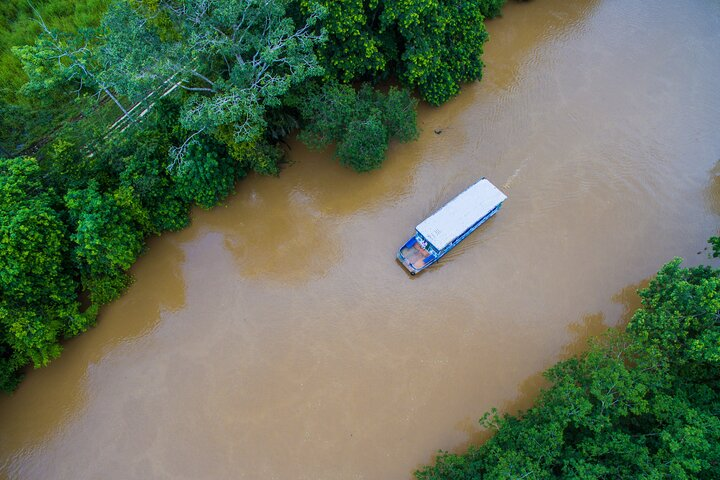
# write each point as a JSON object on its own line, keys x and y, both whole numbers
{"x": 444, "y": 229}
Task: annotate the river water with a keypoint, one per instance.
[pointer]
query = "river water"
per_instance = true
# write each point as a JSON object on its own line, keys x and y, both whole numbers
{"x": 278, "y": 338}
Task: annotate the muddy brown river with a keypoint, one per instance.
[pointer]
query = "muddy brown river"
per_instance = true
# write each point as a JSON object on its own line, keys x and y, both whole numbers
{"x": 277, "y": 337}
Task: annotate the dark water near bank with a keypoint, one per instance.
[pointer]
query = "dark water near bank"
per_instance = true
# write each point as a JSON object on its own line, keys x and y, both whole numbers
{"x": 278, "y": 338}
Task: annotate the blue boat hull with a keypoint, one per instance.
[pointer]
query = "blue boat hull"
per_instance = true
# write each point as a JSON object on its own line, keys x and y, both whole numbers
{"x": 417, "y": 254}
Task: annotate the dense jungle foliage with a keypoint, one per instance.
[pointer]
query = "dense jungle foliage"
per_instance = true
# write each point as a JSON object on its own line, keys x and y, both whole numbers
{"x": 22, "y": 122}
{"x": 641, "y": 404}
{"x": 206, "y": 91}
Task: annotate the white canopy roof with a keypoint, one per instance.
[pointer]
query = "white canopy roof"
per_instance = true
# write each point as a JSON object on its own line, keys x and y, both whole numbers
{"x": 461, "y": 213}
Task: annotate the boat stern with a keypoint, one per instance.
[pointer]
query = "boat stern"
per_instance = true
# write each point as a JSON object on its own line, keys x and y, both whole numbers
{"x": 406, "y": 263}
{"x": 414, "y": 257}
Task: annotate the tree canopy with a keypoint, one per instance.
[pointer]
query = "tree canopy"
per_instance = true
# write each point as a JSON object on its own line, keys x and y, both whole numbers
{"x": 432, "y": 45}
{"x": 235, "y": 59}
{"x": 38, "y": 302}
{"x": 359, "y": 122}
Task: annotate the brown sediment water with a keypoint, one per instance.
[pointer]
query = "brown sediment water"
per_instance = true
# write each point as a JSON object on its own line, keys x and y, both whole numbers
{"x": 277, "y": 337}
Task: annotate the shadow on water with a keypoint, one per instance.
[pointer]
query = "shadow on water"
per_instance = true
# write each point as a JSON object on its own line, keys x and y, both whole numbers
{"x": 50, "y": 397}
{"x": 339, "y": 191}
{"x": 287, "y": 229}
{"x": 592, "y": 325}
{"x": 712, "y": 192}
{"x": 629, "y": 299}
{"x": 552, "y": 20}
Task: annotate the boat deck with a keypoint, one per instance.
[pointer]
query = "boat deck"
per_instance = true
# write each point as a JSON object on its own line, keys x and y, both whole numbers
{"x": 415, "y": 255}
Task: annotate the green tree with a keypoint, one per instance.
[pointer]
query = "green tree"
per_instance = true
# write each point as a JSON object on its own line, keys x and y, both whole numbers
{"x": 360, "y": 122}
{"x": 431, "y": 45}
{"x": 715, "y": 243}
{"x": 38, "y": 301}
{"x": 146, "y": 175}
{"x": 62, "y": 61}
{"x": 234, "y": 59}
{"x": 399, "y": 112}
{"x": 23, "y": 125}
{"x": 19, "y": 26}
{"x": 679, "y": 319}
{"x": 108, "y": 233}
{"x": 207, "y": 175}
{"x": 358, "y": 45}
{"x": 258, "y": 155}
{"x": 491, "y": 8}
{"x": 142, "y": 163}
{"x": 442, "y": 45}
{"x": 364, "y": 146}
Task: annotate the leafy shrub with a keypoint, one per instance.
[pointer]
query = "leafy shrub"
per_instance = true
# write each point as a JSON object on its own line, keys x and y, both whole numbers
{"x": 38, "y": 302}
{"x": 431, "y": 45}
{"x": 361, "y": 122}
{"x": 206, "y": 175}
{"x": 108, "y": 233}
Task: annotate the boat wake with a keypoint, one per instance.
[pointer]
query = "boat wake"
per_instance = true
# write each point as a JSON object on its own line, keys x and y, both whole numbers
{"x": 512, "y": 178}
